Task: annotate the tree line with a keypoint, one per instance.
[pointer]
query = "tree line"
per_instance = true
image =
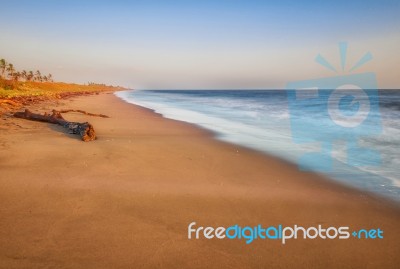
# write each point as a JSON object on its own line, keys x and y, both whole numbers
{"x": 7, "y": 71}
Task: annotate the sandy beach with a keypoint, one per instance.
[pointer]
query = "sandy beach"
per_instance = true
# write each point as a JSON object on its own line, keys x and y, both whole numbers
{"x": 126, "y": 199}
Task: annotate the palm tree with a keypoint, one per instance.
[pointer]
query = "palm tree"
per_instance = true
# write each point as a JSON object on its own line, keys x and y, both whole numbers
{"x": 45, "y": 79}
{"x": 3, "y": 65}
{"x": 30, "y": 76}
{"x": 50, "y": 77}
{"x": 16, "y": 76}
{"x": 38, "y": 76}
{"x": 24, "y": 75}
{"x": 10, "y": 69}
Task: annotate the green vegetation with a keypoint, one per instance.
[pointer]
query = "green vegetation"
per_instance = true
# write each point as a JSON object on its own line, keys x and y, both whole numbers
{"x": 16, "y": 84}
{"x": 8, "y": 72}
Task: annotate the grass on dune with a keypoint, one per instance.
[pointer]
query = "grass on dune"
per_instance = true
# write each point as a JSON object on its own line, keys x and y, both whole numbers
{"x": 47, "y": 89}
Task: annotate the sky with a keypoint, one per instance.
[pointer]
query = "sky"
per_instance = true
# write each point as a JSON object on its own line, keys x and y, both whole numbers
{"x": 226, "y": 44}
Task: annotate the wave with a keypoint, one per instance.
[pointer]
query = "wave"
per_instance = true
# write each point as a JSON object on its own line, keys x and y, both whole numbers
{"x": 261, "y": 120}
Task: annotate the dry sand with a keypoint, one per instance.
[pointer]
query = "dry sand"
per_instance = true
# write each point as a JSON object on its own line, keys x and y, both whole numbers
{"x": 126, "y": 199}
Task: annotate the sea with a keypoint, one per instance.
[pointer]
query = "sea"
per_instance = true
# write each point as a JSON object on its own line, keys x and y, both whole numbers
{"x": 272, "y": 122}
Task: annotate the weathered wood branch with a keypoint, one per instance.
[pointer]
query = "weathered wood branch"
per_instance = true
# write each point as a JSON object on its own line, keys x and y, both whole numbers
{"x": 85, "y": 130}
{"x": 81, "y": 111}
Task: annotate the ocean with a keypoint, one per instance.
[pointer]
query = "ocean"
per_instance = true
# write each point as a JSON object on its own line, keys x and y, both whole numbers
{"x": 266, "y": 121}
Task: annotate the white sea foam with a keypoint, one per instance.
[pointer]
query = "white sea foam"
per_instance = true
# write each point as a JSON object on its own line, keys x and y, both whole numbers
{"x": 262, "y": 122}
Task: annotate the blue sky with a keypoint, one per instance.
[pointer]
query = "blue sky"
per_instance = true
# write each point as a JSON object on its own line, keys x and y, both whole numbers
{"x": 198, "y": 44}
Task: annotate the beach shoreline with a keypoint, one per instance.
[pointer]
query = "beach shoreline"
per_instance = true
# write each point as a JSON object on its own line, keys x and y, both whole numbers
{"x": 261, "y": 120}
{"x": 126, "y": 199}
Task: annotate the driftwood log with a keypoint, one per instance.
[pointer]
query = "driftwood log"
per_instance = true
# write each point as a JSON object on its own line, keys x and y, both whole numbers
{"x": 85, "y": 130}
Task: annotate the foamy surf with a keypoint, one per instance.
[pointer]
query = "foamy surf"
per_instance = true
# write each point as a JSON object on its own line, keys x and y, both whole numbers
{"x": 260, "y": 120}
